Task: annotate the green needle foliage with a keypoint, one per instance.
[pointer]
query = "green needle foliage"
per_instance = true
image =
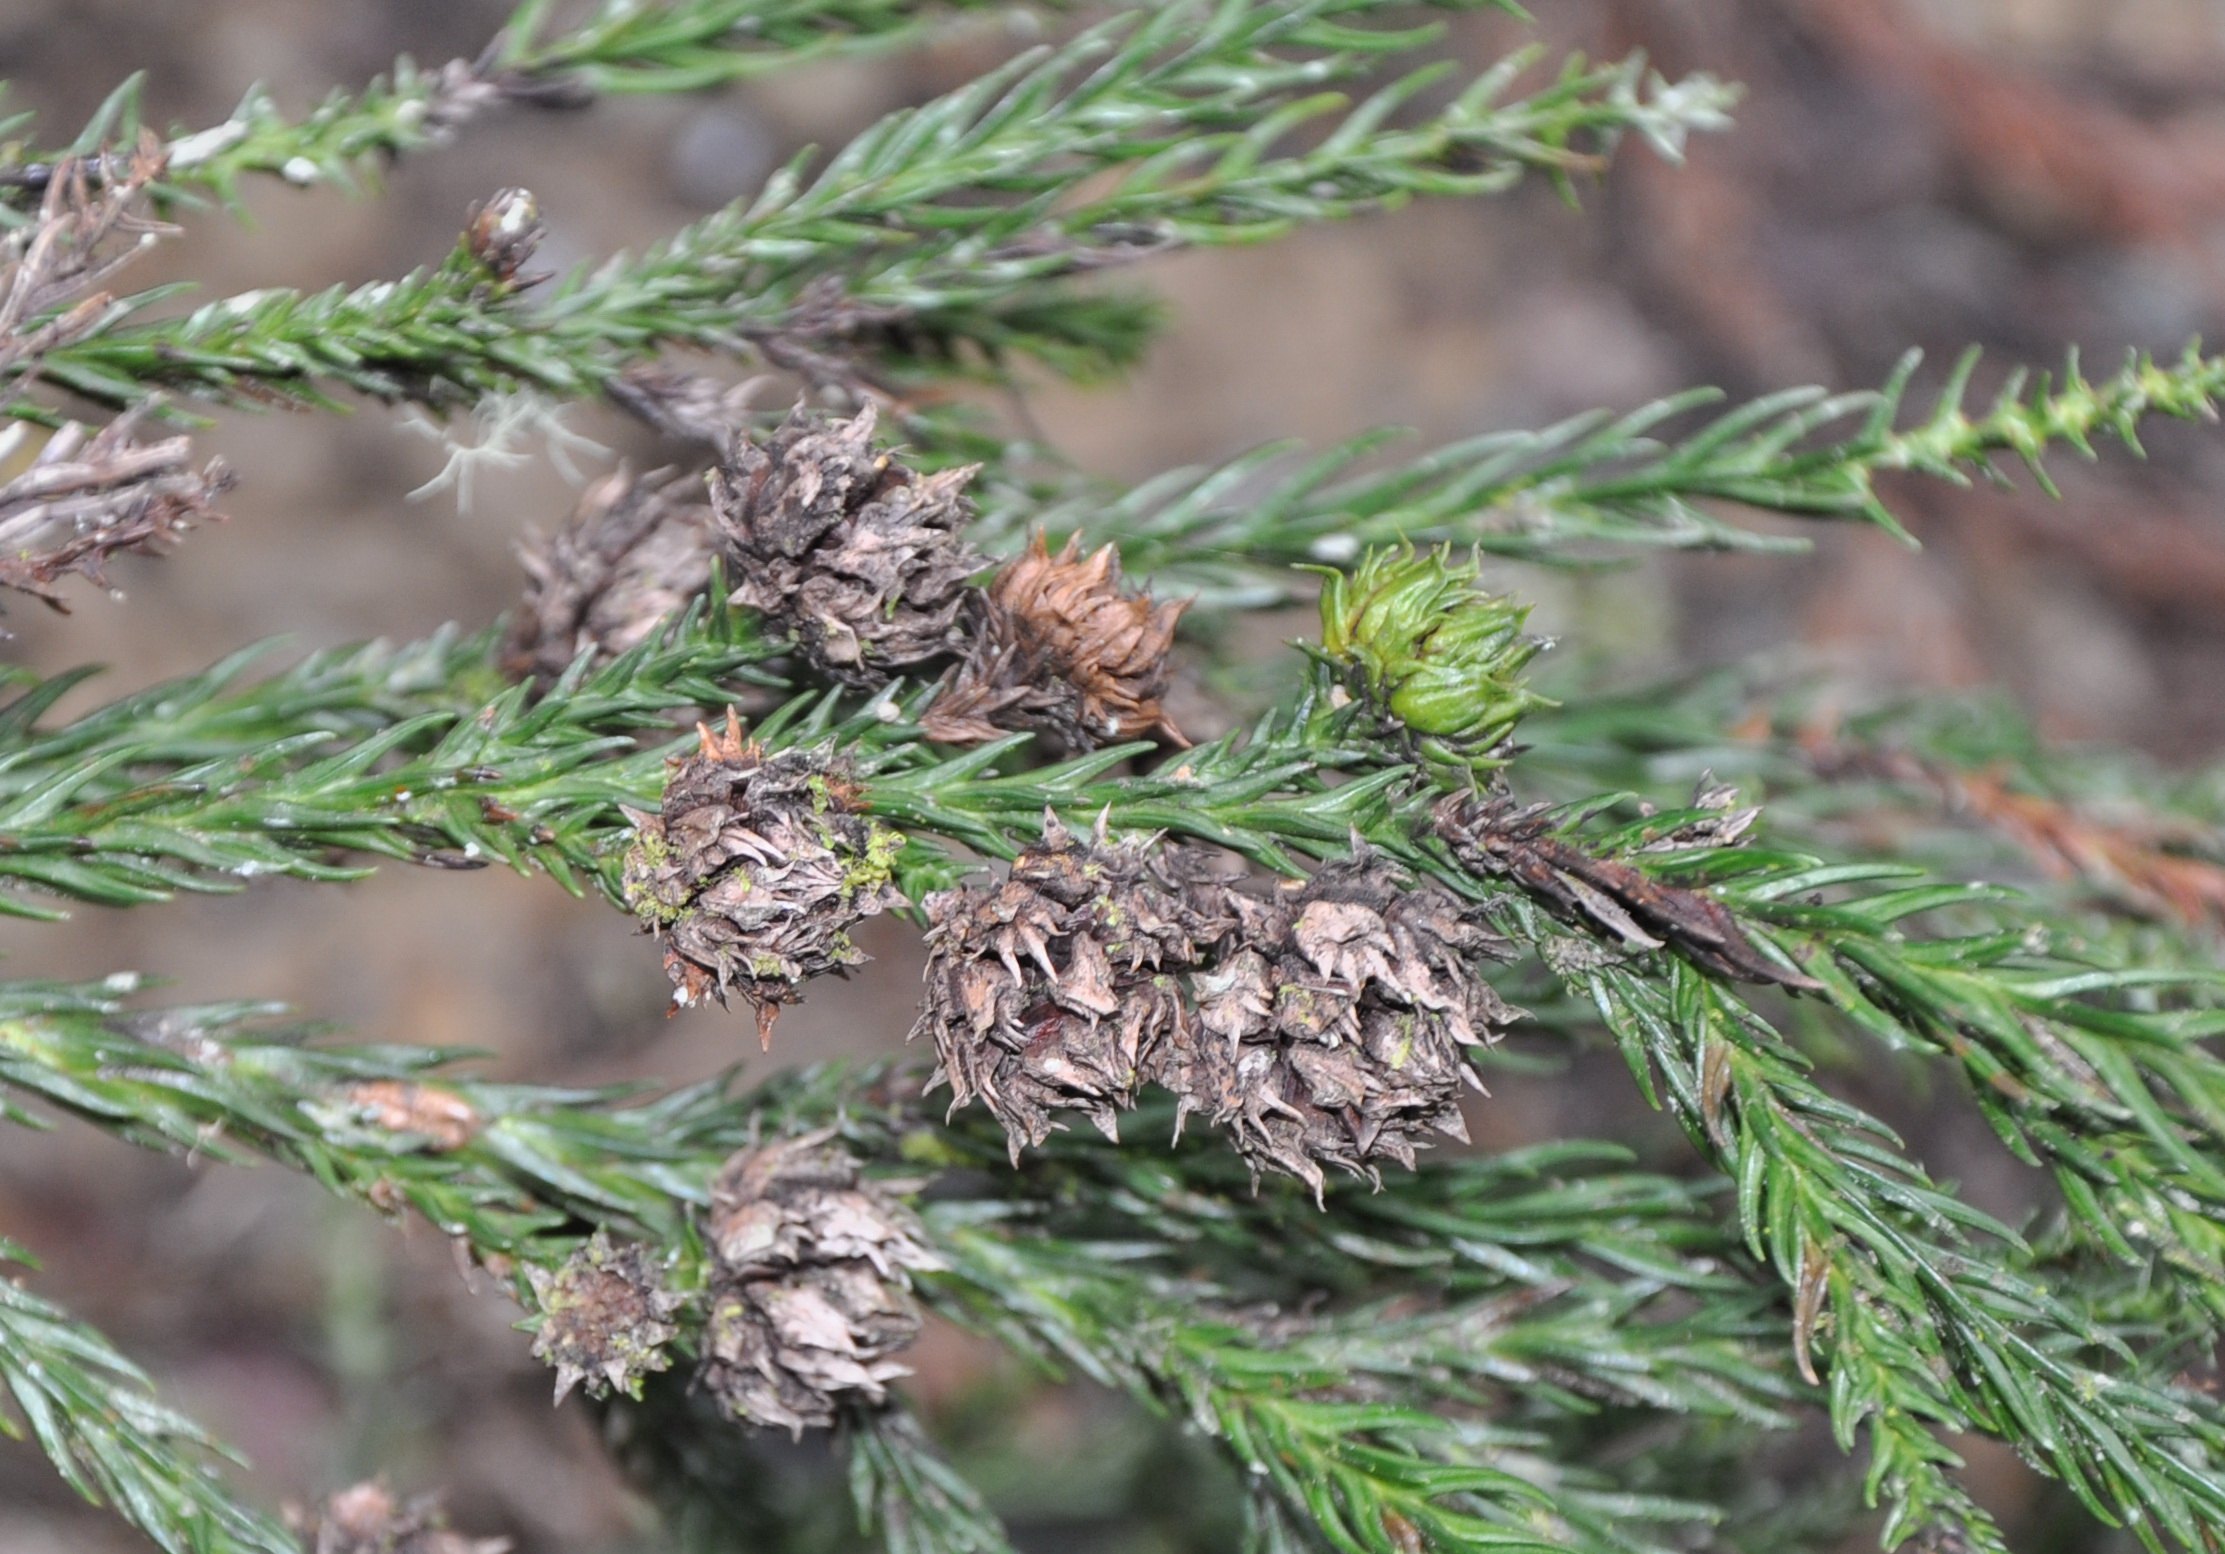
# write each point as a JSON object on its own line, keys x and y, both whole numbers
{"x": 937, "y": 213}
{"x": 1601, "y": 484}
{"x": 1544, "y": 1349}
{"x": 96, "y": 1417}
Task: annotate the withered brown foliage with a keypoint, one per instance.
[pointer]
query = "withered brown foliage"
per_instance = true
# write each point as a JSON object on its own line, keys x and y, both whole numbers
{"x": 810, "y": 1297}
{"x": 2150, "y": 863}
{"x": 87, "y": 497}
{"x": 367, "y": 1519}
{"x": 84, "y": 499}
{"x": 442, "y": 1118}
{"x": 755, "y": 871}
{"x": 1494, "y": 836}
{"x": 859, "y": 559}
{"x": 1053, "y": 990}
{"x": 88, "y": 227}
{"x": 635, "y": 550}
{"x": 465, "y": 90}
{"x": 1059, "y": 646}
{"x": 1331, "y": 1029}
{"x": 1724, "y": 821}
{"x": 606, "y": 1316}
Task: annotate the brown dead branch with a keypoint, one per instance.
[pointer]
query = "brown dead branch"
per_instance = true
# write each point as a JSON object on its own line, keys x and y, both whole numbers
{"x": 85, "y": 232}
{"x": 86, "y": 499}
{"x": 2129, "y": 860}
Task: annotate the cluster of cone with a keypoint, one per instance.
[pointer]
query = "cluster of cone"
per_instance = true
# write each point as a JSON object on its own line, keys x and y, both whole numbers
{"x": 754, "y": 871}
{"x": 756, "y": 868}
{"x": 862, "y": 566}
{"x": 1322, "y": 1028}
{"x": 808, "y": 1298}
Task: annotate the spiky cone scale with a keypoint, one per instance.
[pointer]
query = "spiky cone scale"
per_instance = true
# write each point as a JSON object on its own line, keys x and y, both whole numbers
{"x": 857, "y": 558}
{"x": 810, "y": 1297}
{"x": 755, "y": 870}
{"x": 1061, "y": 647}
{"x": 1495, "y": 837}
{"x": 1431, "y": 653}
{"x": 605, "y": 1317}
{"x": 636, "y": 550}
{"x": 1332, "y": 1028}
{"x": 1053, "y": 990}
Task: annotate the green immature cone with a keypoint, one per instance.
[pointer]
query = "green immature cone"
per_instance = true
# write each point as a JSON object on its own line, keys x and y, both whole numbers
{"x": 1419, "y": 640}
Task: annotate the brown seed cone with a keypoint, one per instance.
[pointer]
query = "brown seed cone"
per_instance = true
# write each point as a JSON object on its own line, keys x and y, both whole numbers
{"x": 810, "y": 1292}
{"x": 1493, "y": 835}
{"x": 1054, "y": 990}
{"x": 1330, "y": 1029}
{"x": 1059, "y": 646}
{"x": 367, "y": 1519}
{"x": 858, "y": 558}
{"x": 635, "y": 550}
{"x": 606, "y": 1316}
{"x": 755, "y": 871}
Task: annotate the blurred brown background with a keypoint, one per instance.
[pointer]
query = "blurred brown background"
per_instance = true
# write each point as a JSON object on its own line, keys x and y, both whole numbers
{"x": 2022, "y": 174}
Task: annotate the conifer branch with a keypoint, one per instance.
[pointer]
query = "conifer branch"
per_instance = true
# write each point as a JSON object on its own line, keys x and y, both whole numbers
{"x": 519, "y": 1171}
{"x": 1188, "y": 103}
{"x": 1819, "y": 1180}
{"x": 2092, "y": 1066}
{"x": 1599, "y": 484}
{"x": 1813, "y": 1192}
{"x": 199, "y": 784}
{"x": 1266, "y": 794}
{"x": 1368, "y": 1476}
{"x": 667, "y": 46}
{"x": 96, "y": 1417}
{"x": 2070, "y": 1061}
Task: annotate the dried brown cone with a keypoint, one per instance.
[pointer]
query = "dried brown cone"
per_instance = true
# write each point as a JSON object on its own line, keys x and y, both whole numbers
{"x": 1053, "y": 990}
{"x": 606, "y": 1316}
{"x": 755, "y": 871}
{"x": 810, "y": 1297}
{"x": 636, "y": 550}
{"x": 367, "y": 1519}
{"x": 1059, "y": 646}
{"x": 1493, "y": 835}
{"x": 1331, "y": 1030}
{"x": 859, "y": 559}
